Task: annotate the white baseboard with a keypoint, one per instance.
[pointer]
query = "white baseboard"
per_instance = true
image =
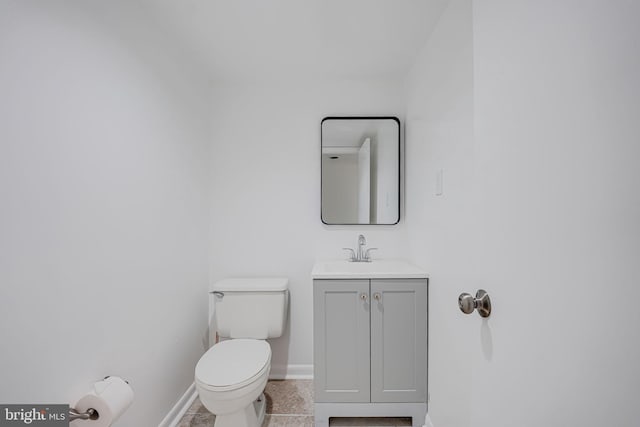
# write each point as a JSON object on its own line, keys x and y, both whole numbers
{"x": 180, "y": 408}
{"x": 278, "y": 372}
{"x": 291, "y": 372}
{"x": 427, "y": 421}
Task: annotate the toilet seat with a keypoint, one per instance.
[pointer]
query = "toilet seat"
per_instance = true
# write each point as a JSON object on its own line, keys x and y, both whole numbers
{"x": 233, "y": 364}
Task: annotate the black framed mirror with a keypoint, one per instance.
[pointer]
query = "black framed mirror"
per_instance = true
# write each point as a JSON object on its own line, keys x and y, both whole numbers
{"x": 360, "y": 170}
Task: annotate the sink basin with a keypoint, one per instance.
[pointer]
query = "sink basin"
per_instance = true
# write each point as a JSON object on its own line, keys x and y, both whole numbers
{"x": 376, "y": 269}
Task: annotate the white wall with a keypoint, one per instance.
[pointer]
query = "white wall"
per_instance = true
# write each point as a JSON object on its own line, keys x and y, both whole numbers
{"x": 439, "y": 135}
{"x": 386, "y": 165}
{"x": 533, "y": 115}
{"x": 340, "y": 189}
{"x": 266, "y": 192}
{"x": 103, "y": 219}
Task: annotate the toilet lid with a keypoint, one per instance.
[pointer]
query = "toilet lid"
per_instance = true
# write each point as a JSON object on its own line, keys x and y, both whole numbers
{"x": 233, "y": 363}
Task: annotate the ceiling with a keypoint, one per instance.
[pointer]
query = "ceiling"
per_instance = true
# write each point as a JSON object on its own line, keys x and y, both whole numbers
{"x": 258, "y": 39}
{"x": 352, "y": 133}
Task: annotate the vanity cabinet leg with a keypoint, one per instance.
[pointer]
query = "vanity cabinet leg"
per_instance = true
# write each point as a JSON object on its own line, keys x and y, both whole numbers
{"x": 321, "y": 421}
{"x": 321, "y": 416}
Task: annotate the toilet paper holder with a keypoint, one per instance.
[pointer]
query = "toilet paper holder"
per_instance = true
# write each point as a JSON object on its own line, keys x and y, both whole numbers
{"x": 89, "y": 414}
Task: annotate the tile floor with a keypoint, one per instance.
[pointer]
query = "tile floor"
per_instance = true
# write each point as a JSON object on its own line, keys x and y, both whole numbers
{"x": 289, "y": 403}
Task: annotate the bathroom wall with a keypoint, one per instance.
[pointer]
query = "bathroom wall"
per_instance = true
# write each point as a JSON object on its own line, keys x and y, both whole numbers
{"x": 439, "y": 136}
{"x": 340, "y": 188}
{"x": 266, "y": 189}
{"x": 540, "y": 208}
{"x": 104, "y": 139}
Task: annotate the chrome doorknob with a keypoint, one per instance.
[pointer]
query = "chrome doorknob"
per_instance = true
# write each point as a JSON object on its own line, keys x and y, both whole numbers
{"x": 481, "y": 302}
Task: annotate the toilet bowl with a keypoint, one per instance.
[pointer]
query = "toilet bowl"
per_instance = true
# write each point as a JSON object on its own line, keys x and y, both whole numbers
{"x": 230, "y": 377}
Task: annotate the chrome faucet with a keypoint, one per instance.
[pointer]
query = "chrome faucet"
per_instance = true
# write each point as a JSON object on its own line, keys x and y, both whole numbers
{"x": 361, "y": 242}
{"x": 361, "y": 255}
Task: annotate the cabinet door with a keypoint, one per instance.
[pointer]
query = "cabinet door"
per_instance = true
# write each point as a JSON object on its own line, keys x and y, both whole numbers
{"x": 399, "y": 340}
{"x": 341, "y": 340}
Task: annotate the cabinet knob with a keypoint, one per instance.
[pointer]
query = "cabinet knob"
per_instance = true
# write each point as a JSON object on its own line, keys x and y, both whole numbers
{"x": 377, "y": 296}
{"x": 363, "y": 297}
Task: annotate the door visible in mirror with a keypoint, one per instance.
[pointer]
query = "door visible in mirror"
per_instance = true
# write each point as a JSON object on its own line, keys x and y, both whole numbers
{"x": 360, "y": 164}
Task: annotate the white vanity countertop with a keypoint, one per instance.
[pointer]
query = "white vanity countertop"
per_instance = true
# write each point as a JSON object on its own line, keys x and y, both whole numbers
{"x": 376, "y": 269}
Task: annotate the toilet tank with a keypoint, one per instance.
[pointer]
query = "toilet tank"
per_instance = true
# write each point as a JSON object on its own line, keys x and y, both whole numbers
{"x": 250, "y": 307}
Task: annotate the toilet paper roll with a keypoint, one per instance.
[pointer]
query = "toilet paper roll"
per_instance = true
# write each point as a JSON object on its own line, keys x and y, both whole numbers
{"x": 110, "y": 397}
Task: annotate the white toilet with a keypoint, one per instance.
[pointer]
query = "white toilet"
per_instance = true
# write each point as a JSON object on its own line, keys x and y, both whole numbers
{"x": 231, "y": 376}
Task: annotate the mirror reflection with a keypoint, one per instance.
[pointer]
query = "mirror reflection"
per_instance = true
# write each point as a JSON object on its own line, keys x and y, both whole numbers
{"x": 360, "y": 170}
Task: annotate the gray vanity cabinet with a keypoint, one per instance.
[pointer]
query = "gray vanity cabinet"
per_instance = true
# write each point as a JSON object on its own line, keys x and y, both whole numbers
{"x": 341, "y": 341}
{"x": 370, "y": 340}
{"x": 398, "y": 340}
